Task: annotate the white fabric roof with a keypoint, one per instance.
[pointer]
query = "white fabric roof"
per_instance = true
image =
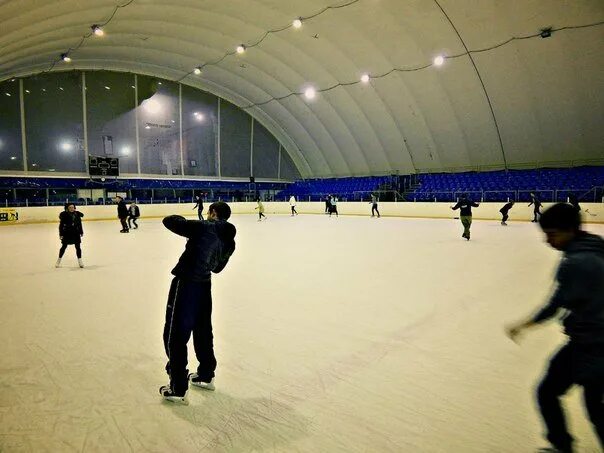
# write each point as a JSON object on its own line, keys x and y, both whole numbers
{"x": 547, "y": 95}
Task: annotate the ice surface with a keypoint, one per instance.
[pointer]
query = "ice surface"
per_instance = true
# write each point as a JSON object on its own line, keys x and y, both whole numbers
{"x": 350, "y": 334}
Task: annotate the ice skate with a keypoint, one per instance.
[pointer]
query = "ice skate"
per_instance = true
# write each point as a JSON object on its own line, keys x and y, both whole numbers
{"x": 169, "y": 395}
{"x": 197, "y": 382}
{"x": 80, "y": 262}
{"x": 58, "y": 263}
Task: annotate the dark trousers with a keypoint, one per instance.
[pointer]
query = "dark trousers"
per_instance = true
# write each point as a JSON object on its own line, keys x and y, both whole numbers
{"x": 466, "y": 221}
{"x": 573, "y": 364}
{"x": 260, "y": 215}
{"x": 64, "y": 247}
{"x": 505, "y": 216}
{"x": 374, "y": 208}
{"x": 124, "y": 224}
{"x": 200, "y": 213}
{"x": 327, "y": 207}
{"x": 333, "y": 210}
{"x": 133, "y": 219}
{"x": 294, "y": 210}
{"x": 536, "y": 215}
{"x": 189, "y": 311}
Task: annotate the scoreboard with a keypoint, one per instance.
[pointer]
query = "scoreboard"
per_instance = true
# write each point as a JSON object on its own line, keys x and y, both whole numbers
{"x": 104, "y": 166}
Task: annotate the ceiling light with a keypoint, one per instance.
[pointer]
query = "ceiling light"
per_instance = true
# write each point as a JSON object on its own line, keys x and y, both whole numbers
{"x": 97, "y": 30}
{"x": 27, "y": 91}
{"x": 61, "y": 88}
{"x": 197, "y": 71}
{"x": 12, "y": 157}
{"x": 66, "y": 58}
{"x": 44, "y": 90}
{"x": 198, "y": 116}
{"x": 147, "y": 127}
{"x": 365, "y": 78}
{"x": 240, "y": 48}
{"x": 310, "y": 93}
{"x": 297, "y": 23}
{"x": 8, "y": 94}
{"x": 126, "y": 150}
{"x": 66, "y": 146}
{"x": 34, "y": 165}
{"x": 152, "y": 106}
{"x": 107, "y": 88}
{"x": 439, "y": 60}
{"x": 159, "y": 83}
{"x": 132, "y": 86}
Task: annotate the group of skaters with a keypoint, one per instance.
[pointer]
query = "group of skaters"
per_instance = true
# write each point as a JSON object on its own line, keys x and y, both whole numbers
{"x": 465, "y": 206}
{"x": 127, "y": 214}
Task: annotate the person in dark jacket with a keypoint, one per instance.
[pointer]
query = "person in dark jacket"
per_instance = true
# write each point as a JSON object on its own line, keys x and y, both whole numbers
{"x": 574, "y": 201}
{"x": 537, "y": 207}
{"x": 122, "y": 213}
{"x": 199, "y": 206}
{"x": 328, "y": 204}
{"x": 70, "y": 232}
{"x": 465, "y": 214}
{"x": 133, "y": 214}
{"x": 209, "y": 246}
{"x": 504, "y": 212}
{"x": 580, "y": 294}
{"x": 374, "y": 206}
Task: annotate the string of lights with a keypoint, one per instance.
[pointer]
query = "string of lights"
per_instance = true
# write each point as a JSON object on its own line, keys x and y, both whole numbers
{"x": 96, "y": 29}
{"x": 296, "y": 23}
{"x": 439, "y": 60}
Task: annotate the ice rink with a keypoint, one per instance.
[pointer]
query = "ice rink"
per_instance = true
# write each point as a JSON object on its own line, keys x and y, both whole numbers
{"x": 332, "y": 335}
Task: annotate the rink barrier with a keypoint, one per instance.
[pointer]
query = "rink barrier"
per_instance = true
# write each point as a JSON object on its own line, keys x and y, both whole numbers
{"x": 486, "y": 211}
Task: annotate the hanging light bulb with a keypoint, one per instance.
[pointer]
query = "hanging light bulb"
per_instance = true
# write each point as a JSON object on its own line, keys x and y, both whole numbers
{"x": 439, "y": 60}
{"x": 310, "y": 93}
{"x": 197, "y": 71}
{"x": 65, "y": 58}
{"x": 98, "y": 31}
{"x": 365, "y": 78}
{"x": 240, "y": 48}
{"x": 297, "y": 23}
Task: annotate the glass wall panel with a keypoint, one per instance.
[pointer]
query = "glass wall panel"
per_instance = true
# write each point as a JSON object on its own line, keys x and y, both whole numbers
{"x": 235, "y": 136}
{"x": 11, "y": 154}
{"x": 54, "y": 122}
{"x": 199, "y": 132}
{"x": 266, "y": 153}
{"x": 111, "y": 117}
{"x": 159, "y": 127}
{"x": 289, "y": 171}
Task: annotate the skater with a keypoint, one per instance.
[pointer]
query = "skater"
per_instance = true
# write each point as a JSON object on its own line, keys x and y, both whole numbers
{"x": 199, "y": 206}
{"x": 333, "y": 203}
{"x": 374, "y": 206}
{"x": 574, "y": 201}
{"x": 260, "y": 209}
{"x": 537, "y": 207}
{"x": 133, "y": 214}
{"x": 70, "y": 232}
{"x": 327, "y": 204}
{"x": 465, "y": 215}
{"x": 504, "y": 212}
{"x": 580, "y": 294}
{"x": 210, "y": 243}
{"x": 292, "y": 203}
{"x": 122, "y": 213}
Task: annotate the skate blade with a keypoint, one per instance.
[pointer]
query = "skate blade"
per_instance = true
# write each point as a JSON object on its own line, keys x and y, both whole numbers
{"x": 203, "y": 387}
{"x": 177, "y": 400}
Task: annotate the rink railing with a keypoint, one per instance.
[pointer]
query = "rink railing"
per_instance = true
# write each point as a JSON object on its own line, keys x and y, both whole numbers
{"x": 593, "y": 195}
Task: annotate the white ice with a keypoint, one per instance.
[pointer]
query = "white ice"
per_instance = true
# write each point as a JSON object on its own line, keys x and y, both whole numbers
{"x": 332, "y": 335}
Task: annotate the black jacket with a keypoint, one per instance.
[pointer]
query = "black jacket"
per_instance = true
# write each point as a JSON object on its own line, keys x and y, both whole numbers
{"x": 137, "y": 212}
{"x": 506, "y": 208}
{"x": 580, "y": 290}
{"x": 466, "y": 207}
{"x": 536, "y": 202}
{"x": 70, "y": 227}
{"x": 210, "y": 245}
{"x": 122, "y": 209}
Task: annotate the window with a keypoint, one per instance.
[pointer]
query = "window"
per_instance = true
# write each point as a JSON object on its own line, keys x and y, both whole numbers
{"x": 266, "y": 153}
{"x": 11, "y": 152}
{"x": 235, "y": 136}
{"x": 199, "y": 132}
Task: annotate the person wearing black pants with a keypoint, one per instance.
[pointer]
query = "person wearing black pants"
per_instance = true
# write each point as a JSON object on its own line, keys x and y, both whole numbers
{"x": 70, "y": 232}
{"x": 504, "y": 212}
{"x": 133, "y": 214}
{"x": 328, "y": 204}
{"x": 189, "y": 310}
{"x": 122, "y": 213}
{"x": 580, "y": 293}
{"x": 199, "y": 206}
{"x": 374, "y": 206}
{"x": 537, "y": 207}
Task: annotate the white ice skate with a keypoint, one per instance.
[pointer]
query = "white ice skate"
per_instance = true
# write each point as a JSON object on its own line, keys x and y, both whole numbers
{"x": 194, "y": 380}
{"x": 80, "y": 262}
{"x": 58, "y": 263}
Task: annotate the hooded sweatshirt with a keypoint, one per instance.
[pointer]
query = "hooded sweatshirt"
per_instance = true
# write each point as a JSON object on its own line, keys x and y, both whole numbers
{"x": 210, "y": 245}
{"x": 580, "y": 290}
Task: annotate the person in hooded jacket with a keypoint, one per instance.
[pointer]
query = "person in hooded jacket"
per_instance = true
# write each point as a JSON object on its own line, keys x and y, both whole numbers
{"x": 70, "y": 232}
{"x": 122, "y": 213}
{"x": 133, "y": 214}
{"x": 209, "y": 246}
{"x": 580, "y": 295}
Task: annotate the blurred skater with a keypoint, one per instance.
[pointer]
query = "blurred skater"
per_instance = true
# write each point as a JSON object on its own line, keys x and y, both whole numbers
{"x": 260, "y": 209}
{"x": 292, "y": 203}
{"x": 537, "y": 207}
{"x": 333, "y": 206}
{"x": 133, "y": 214}
{"x": 374, "y": 206}
{"x": 70, "y": 232}
{"x": 504, "y": 212}
{"x": 122, "y": 213}
{"x": 199, "y": 206}
{"x": 465, "y": 214}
